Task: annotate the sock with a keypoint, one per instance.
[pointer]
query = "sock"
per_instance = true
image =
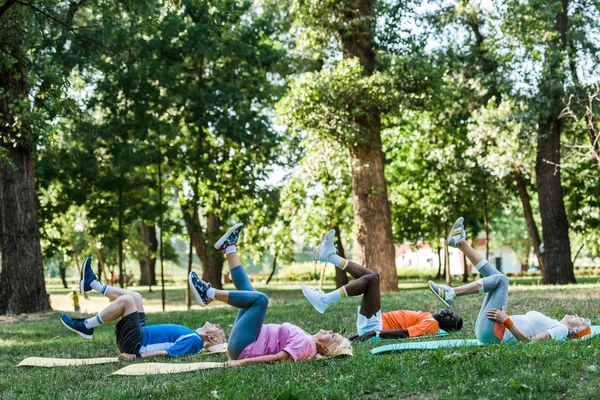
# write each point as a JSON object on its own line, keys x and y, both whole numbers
{"x": 230, "y": 249}
{"x": 335, "y": 295}
{"x": 338, "y": 261}
{"x": 480, "y": 264}
{"x": 481, "y": 289}
{"x": 99, "y": 286}
{"x": 451, "y": 291}
{"x": 211, "y": 293}
{"x": 92, "y": 322}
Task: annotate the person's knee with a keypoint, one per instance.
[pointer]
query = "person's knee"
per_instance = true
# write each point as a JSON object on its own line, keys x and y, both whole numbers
{"x": 262, "y": 299}
{"x": 502, "y": 280}
{"x": 373, "y": 278}
{"x": 126, "y": 300}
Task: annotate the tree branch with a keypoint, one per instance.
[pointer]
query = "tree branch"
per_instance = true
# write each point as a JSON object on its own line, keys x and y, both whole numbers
{"x": 6, "y": 6}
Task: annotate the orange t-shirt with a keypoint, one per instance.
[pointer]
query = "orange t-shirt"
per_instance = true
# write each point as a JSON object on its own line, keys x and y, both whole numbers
{"x": 417, "y": 323}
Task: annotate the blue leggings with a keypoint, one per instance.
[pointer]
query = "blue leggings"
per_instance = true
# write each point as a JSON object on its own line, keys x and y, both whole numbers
{"x": 495, "y": 285}
{"x": 250, "y": 317}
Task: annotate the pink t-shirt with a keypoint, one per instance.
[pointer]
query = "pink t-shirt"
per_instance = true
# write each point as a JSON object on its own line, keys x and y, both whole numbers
{"x": 273, "y": 338}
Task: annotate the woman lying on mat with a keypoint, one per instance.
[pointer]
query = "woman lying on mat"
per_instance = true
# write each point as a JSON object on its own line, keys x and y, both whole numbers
{"x": 493, "y": 323}
{"x": 370, "y": 321}
{"x": 134, "y": 337}
{"x": 251, "y": 341}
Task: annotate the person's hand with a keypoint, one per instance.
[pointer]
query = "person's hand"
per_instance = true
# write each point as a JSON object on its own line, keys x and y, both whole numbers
{"x": 363, "y": 337}
{"x": 497, "y": 315}
{"x": 235, "y": 363}
{"x": 126, "y": 357}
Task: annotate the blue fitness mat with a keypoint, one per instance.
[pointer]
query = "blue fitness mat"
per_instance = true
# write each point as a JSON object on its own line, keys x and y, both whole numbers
{"x": 440, "y": 333}
{"x": 440, "y": 344}
{"x": 429, "y": 345}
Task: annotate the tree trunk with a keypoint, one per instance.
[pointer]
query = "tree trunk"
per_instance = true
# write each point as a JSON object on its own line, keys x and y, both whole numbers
{"x": 62, "y": 270}
{"x": 213, "y": 270}
{"x": 439, "y": 271}
{"x": 555, "y": 227}
{"x": 341, "y": 278}
{"x": 274, "y": 267}
{"x": 534, "y": 235}
{"x": 447, "y": 275}
{"x": 22, "y": 286}
{"x": 148, "y": 260}
{"x": 465, "y": 269}
{"x": 369, "y": 190}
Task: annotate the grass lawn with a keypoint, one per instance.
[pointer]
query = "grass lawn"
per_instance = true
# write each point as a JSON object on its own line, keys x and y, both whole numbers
{"x": 543, "y": 370}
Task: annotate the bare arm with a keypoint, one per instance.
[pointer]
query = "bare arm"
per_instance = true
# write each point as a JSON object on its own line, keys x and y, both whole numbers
{"x": 501, "y": 316}
{"x": 388, "y": 334}
{"x": 272, "y": 358}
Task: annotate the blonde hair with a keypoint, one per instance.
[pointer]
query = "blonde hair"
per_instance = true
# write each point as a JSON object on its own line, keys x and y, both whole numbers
{"x": 582, "y": 330}
{"x": 343, "y": 348}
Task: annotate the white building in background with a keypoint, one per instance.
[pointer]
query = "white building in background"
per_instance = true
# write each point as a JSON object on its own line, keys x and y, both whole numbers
{"x": 422, "y": 256}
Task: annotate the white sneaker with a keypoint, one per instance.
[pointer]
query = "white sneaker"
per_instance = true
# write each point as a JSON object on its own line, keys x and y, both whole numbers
{"x": 444, "y": 293}
{"x": 315, "y": 297}
{"x": 327, "y": 247}
{"x": 458, "y": 233}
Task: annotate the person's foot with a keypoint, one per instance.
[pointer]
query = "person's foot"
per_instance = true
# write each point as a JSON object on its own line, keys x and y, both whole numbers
{"x": 458, "y": 233}
{"x": 443, "y": 292}
{"x": 327, "y": 247}
{"x": 77, "y": 325}
{"x": 315, "y": 297}
{"x": 230, "y": 238}
{"x": 87, "y": 276}
{"x": 199, "y": 288}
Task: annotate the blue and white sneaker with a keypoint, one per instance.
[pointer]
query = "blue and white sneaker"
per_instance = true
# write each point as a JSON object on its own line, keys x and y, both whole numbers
{"x": 327, "y": 247}
{"x": 315, "y": 297}
{"x": 458, "y": 233}
{"x": 444, "y": 293}
{"x": 199, "y": 288}
{"x": 77, "y": 325}
{"x": 230, "y": 238}
{"x": 87, "y": 275}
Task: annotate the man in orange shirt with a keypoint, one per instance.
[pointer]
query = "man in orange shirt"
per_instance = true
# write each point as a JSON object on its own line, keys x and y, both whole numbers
{"x": 370, "y": 321}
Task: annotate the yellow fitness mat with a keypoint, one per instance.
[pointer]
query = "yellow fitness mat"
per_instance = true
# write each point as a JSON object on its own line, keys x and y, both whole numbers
{"x": 165, "y": 368}
{"x": 69, "y": 362}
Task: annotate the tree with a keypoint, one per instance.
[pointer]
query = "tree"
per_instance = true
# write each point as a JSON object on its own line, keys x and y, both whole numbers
{"x": 343, "y": 102}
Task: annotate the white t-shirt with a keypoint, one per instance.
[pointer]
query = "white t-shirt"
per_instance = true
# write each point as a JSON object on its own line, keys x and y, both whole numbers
{"x": 533, "y": 323}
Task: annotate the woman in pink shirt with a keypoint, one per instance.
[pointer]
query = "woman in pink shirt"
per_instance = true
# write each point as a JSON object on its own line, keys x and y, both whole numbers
{"x": 251, "y": 341}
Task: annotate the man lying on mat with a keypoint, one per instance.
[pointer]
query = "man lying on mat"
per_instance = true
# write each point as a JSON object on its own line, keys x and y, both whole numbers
{"x": 251, "y": 341}
{"x": 493, "y": 323}
{"x": 134, "y": 337}
{"x": 370, "y": 321}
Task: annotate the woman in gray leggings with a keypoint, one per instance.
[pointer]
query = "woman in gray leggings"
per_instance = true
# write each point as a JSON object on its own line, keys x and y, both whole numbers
{"x": 493, "y": 323}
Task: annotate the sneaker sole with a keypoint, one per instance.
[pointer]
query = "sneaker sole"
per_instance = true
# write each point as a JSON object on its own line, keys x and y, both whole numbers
{"x": 459, "y": 222}
{"x": 195, "y": 292}
{"x": 226, "y": 235}
{"x": 82, "y": 280}
{"x": 83, "y": 335}
{"x": 304, "y": 289}
{"x": 323, "y": 241}
{"x": 438, "y": 296}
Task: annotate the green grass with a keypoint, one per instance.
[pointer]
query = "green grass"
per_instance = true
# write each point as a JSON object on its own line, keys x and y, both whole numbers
{"x": 543, "y": 370}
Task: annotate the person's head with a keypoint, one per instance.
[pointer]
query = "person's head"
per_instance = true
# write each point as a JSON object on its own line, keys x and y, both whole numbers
{"x": 448, "y": 320}
{"x": 211, "y": 334}
{"x": 332, "y": 344}
{"x": 578, "y": 327}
